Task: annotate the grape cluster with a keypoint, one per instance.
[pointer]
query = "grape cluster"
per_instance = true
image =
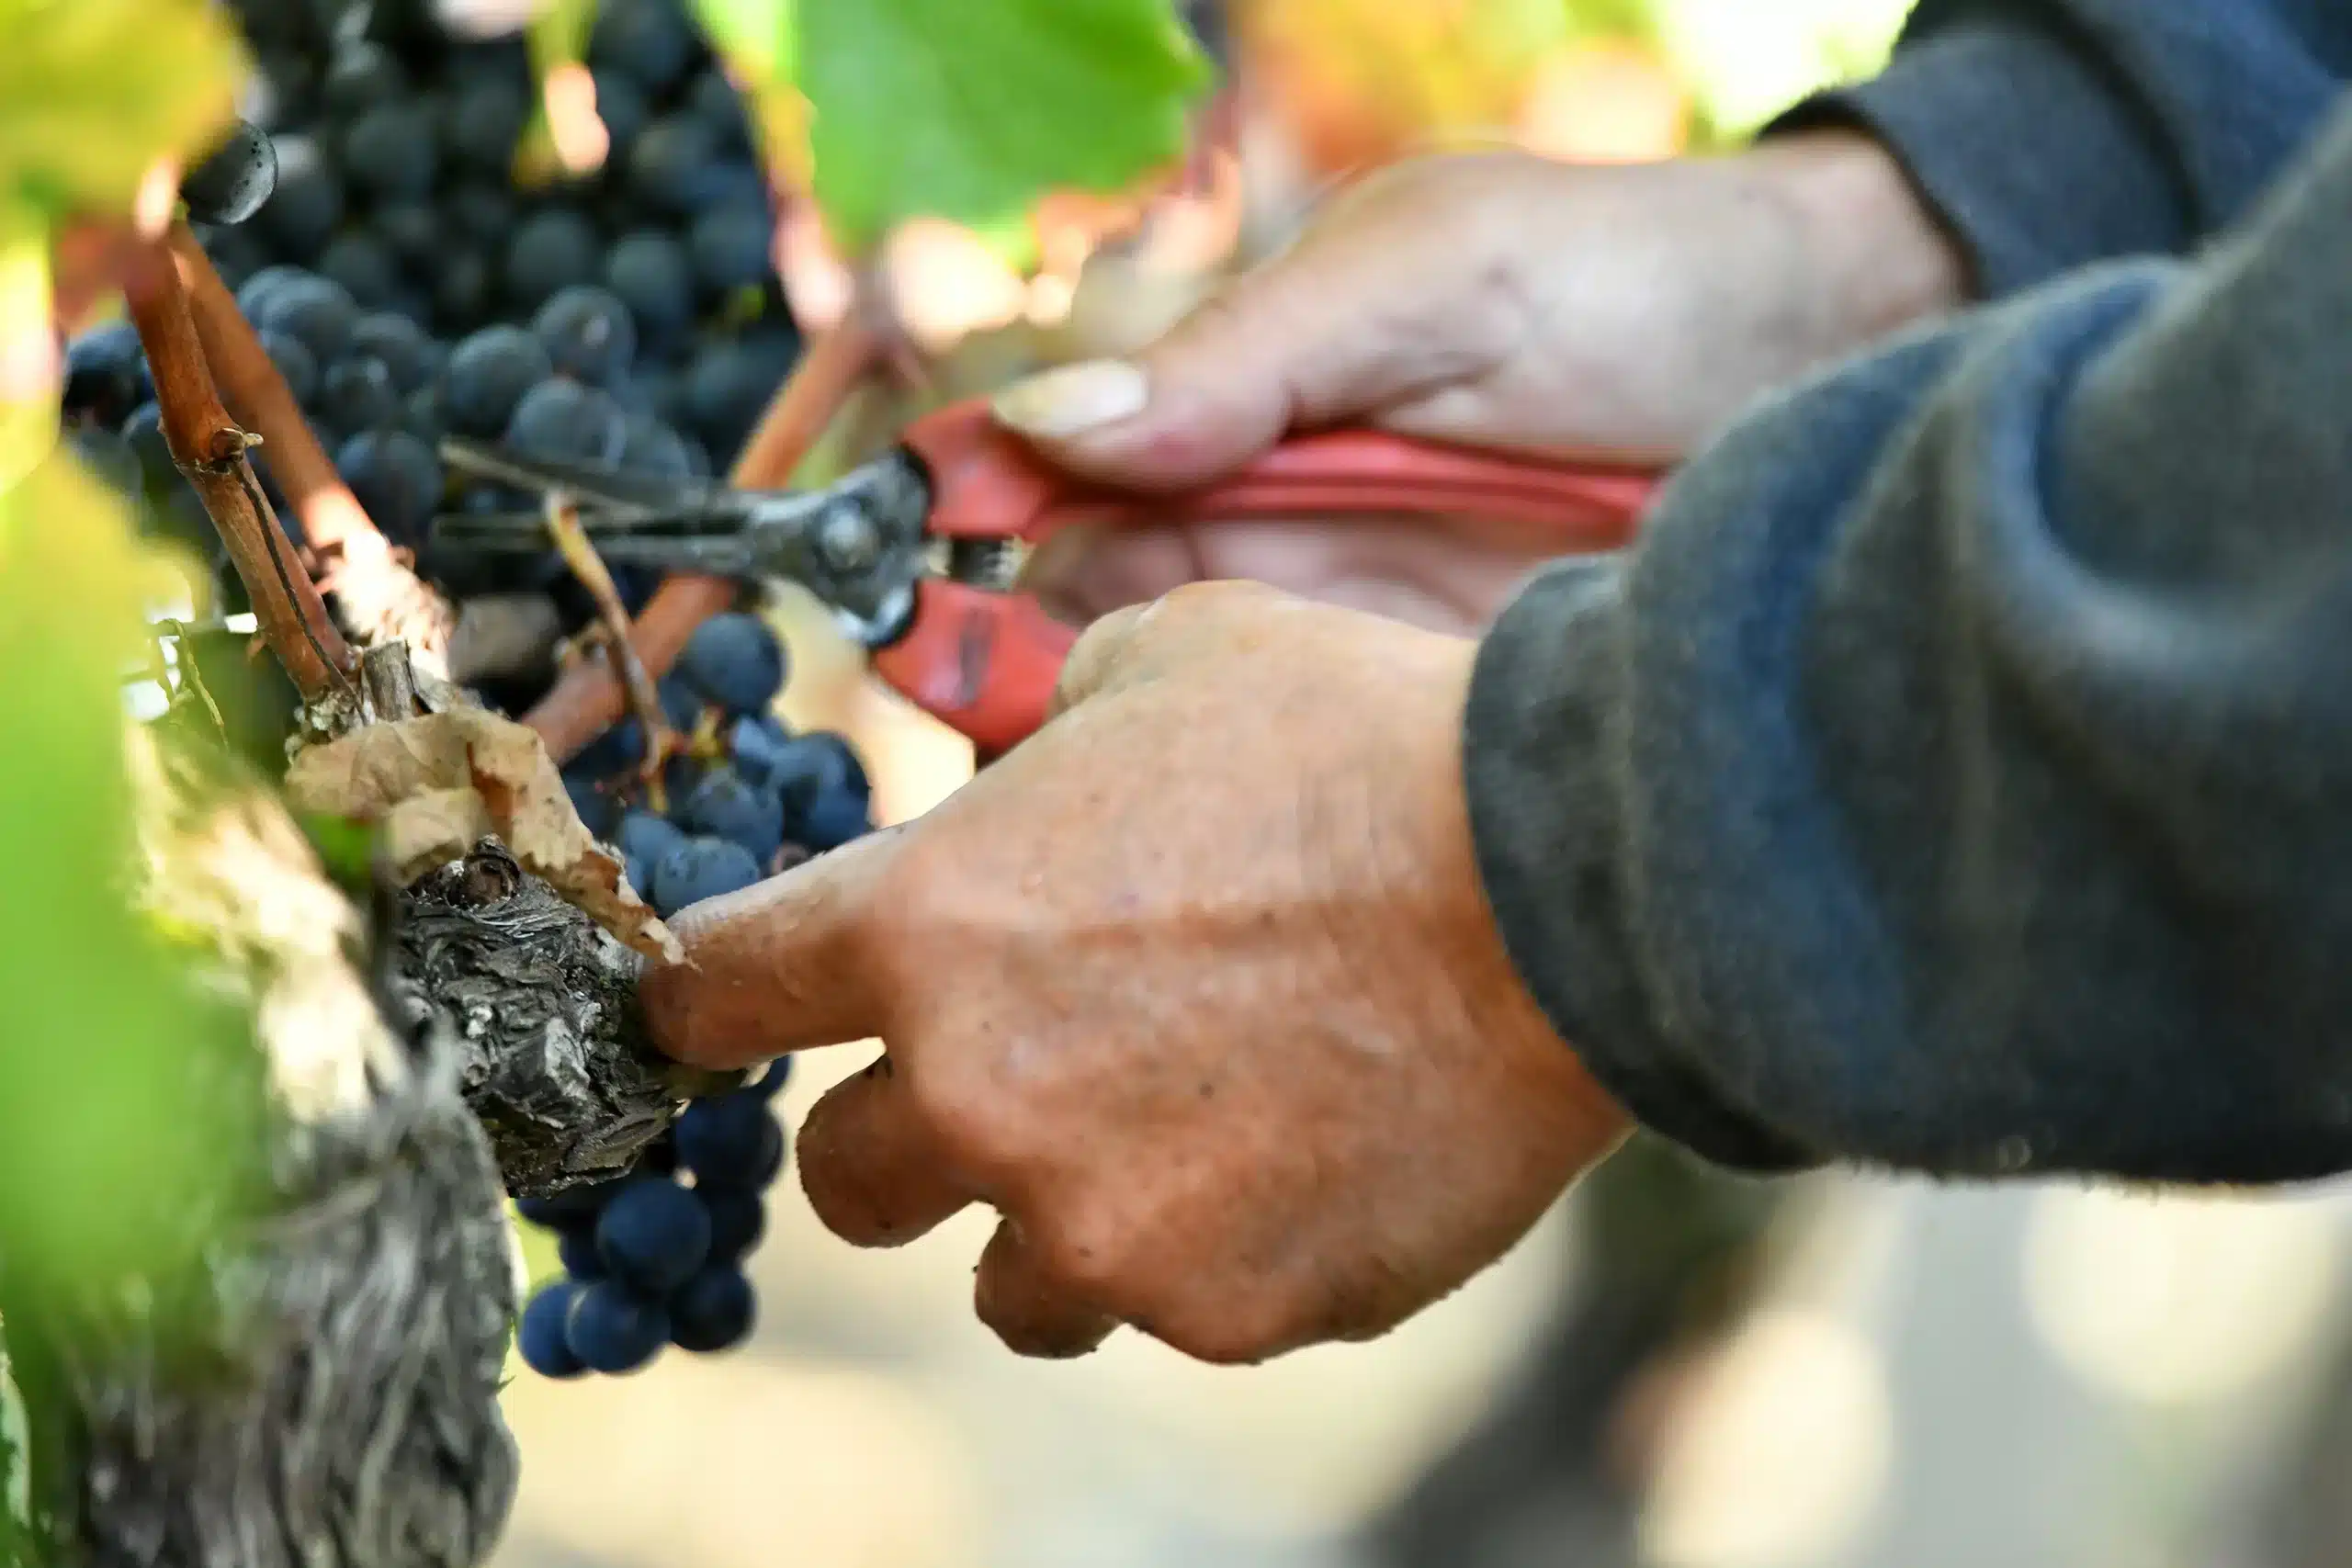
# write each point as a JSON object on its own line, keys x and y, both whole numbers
{"x": 650, "y": 1260}
{"x": 745, "y": 797}
{"x": 408, "y": 287}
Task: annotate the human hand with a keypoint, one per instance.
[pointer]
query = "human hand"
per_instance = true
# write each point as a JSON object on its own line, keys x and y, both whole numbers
{"x": 1201, "y": 994}
{"x": 1617, "y": 314}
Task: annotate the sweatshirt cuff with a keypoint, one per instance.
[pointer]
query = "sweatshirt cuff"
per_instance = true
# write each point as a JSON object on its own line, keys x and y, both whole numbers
{"x": 1548, "y": 823}
{"x": 2033, "y": 155}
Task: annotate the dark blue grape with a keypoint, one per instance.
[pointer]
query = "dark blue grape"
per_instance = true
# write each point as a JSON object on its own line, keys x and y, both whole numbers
{"x": 318, "y": 311}
{"x": 588, "y": 333}
{"x": 650, "y": 41}
{"x": 670, "y": 166}
{"x": 738, "y": 1217}
{"x": 464, "y": 290}
{"x": 847, "y": 768}
{"x": 364, "y": 266}
{"x": 575, "y": 1249}
{"x": 654, "y": 277}
{"x": 735, "y": 662}
{"x": 552, "y": 250}
{"x": 487, "y": 375}
{"x": 360, "y": 77}
{"x": 599, "y": 808}
{"x": 681, "y": 704}
{"x": 389, "y": 152}
{"x": 504, "y": 57}
{"x": 415, "y": 234}
{"x": 734, "y": 181}
{"x": 234, "y": 178}
{"x": 641, "y": 835}
{"x": 297, "y": 366}
{"x": 727, "y": 805}
{"x": 105, "y": 374}
{"x": 357, "y": 394}
{"x": 653, "y": 1235}
{"x": 613, "y": 1330}
{"x": 714, "y": 100}
{"x": 731, "y": 1140}
{"x": 423, "y": 416}
{"x": 254, "y": 294}
{"x": 284, "y": 91}
{"x": 400, "y": 342}
{"x": 700, "y": 869}
{"x": 837, "y": 817}
{"x": 565, "y": 422}
{"x": 756, "y": 743}
{"x": 143, "y": 429}
{"x": 728, "y": 387}
{"x": 622, "y": 746}
{"x": 663, "y": 389}
{"x": 806, "y": 767}
{"x": 571, "y": 1207}
{"x": 308, "y": 204}
{"x": 543, "y": 1335}
{"x": 650, "y": 446}
{"x": 396, "y": 479}
{"x": 770, "y": 1084}
{"x": 480, "y": 213}
{"x": 713, "y": 1311}
{"x": 621, "y": 103}
{"x": 731, "y": 248}
{"x": 235, "y": 255}
{"x": 486, "y": 121}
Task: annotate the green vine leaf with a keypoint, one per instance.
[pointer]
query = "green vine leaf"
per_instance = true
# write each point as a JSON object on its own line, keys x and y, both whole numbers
{"x": 105, "y": 1015}
{"x": 943, "y": 110}
{"x": 94, "y": 92}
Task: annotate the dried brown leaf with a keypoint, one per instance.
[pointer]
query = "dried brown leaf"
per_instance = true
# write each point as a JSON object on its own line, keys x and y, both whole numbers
{"x": 439, "y": 783}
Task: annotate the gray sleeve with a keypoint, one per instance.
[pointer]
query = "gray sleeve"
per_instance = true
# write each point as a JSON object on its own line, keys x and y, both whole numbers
{"x": 2049, "y": 134}
{"x": 1958, "y": 774}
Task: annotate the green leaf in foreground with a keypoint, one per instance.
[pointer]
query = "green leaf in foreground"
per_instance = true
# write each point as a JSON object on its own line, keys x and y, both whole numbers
{"x": 105, "y": 1152}
{"x": 944, "y": 108}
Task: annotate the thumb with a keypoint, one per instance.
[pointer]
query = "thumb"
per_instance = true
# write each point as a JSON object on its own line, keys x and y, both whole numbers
{"x": 1336, "y": 328}
{"x": 782, "y": 965}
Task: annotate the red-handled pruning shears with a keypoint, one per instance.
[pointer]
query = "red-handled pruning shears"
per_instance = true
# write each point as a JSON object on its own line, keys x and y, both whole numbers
{"x": 916, "y": 551}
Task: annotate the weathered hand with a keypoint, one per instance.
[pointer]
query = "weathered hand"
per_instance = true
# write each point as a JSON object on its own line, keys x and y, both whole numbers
{"x": 1613, "y": 313}
{"x": 1197, "y": 988}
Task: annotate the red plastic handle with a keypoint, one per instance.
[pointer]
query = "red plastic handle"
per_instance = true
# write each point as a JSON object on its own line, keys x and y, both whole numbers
{"x": 986, "y": 662}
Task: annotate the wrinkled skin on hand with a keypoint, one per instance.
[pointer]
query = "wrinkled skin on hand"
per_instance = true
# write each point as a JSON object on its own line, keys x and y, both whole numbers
{"x": 1617, "y": 314}
{"x": 1201, "y": 996}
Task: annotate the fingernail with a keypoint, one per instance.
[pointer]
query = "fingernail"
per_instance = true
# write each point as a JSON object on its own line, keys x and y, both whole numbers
{"x": 1073, "y": 398}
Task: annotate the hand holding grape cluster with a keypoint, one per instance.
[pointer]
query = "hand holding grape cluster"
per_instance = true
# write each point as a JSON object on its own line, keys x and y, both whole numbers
{"x": 1201, "y": 996}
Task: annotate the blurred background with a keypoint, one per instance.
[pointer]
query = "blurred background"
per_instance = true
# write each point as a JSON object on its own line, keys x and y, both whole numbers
{"x": 1677, "y": 1369}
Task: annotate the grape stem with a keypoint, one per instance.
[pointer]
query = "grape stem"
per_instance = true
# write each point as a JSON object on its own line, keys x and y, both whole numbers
{"x": 588, "y": 700}
{"x": 211, "y": 448}
{"x": 579, "y": 553}
{"x": 379, "y": 597}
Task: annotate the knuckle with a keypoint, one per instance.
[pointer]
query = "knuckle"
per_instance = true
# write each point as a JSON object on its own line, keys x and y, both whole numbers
{"x": 1237, "y": 1332}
